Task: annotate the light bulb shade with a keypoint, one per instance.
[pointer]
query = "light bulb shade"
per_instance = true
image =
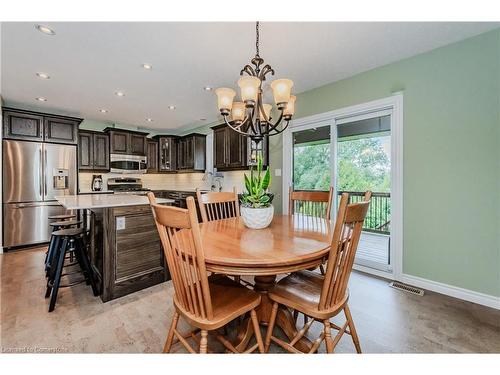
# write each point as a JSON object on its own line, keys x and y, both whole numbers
{"x": 281, "y": 91}
{"x": 249, "y": 87}
{"x": 225, "y": 98}
{"x": 238, "y": 111}
{"x": 290, "y": 106}
{"x": 267, "y": 112}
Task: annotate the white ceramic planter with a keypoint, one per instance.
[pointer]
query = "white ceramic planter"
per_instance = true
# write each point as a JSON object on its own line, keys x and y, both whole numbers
{"x": 257, "y": 218}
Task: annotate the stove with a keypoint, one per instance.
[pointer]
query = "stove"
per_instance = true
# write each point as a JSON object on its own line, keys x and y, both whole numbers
{"x": 127, "y": 185}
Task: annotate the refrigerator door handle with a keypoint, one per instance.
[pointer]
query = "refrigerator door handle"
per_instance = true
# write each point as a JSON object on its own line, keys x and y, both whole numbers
{"x": 41, "y": 173}
{"x": 46, "y": 172}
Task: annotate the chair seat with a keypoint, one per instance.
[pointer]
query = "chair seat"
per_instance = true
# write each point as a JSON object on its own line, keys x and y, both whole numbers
{"x": 229, "y": 301}
{"x": 68, "y": 232}
{"x": 65, "y": 223}
{"x": 61, "y": 217}
{"x": 302, "y": 291}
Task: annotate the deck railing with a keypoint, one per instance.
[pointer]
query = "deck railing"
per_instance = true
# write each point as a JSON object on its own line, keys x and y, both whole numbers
{"x": 378, "y": 218}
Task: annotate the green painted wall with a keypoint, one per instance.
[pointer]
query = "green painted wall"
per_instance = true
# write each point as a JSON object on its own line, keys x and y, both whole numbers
{"x": 451, "y": 156}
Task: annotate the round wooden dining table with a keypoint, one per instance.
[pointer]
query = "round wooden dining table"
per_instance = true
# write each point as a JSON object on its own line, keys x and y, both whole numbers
{"x": 290, "y": 243}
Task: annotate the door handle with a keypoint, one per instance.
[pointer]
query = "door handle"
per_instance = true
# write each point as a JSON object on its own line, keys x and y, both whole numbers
{"x": 45, "y": 168}
{"x": 40, "y": 187}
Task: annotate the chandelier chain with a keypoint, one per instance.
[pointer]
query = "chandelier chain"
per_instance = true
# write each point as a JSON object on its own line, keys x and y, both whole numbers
{"x": 257, "y": 37}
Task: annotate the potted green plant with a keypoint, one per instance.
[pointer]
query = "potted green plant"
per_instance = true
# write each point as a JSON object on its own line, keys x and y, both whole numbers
{"x": 256, "y": 208}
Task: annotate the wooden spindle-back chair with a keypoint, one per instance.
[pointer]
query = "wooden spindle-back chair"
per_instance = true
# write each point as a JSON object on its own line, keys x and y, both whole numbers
{"x": 218, "y": 205}
{"x": 313, "y": 203}
{"x": 207, "y": 303}
{"x": 323, "y": 297}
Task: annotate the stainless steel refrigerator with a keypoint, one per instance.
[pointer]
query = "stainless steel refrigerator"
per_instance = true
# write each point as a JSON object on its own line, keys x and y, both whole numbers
{"x": 34, "y": 173}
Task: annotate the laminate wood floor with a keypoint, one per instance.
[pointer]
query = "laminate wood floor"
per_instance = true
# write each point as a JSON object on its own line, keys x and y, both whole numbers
{"x": 387, "y": 320}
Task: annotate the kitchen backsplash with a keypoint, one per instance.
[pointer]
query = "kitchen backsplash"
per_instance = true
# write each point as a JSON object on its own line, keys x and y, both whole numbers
{"x": 180, "y": 181}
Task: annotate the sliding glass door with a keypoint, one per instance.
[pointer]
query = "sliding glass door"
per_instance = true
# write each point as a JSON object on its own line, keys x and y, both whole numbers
{"x": 364, "y": 163}
{"x": 352, "y": 154}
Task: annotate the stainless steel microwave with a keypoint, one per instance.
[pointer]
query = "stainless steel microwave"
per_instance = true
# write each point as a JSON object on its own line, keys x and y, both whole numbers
{"x": 120, "y": 163}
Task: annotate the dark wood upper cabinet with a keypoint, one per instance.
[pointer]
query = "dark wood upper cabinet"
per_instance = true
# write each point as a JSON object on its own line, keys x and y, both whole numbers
{"x": 93, "y": 151}
{"x": 191, "y": 153}
{"x": 234, "y": 151}
{"x": 85, "y": 151}
{"x": 126, "y": 141}
{"x": 138, "y": 144}
{"x": 167, "y": 152}
{"x": 152, "y": 156}
{"x": 35, "y": 126}
{"x": 101, "y": 151}
{"x": 59, "y": 130}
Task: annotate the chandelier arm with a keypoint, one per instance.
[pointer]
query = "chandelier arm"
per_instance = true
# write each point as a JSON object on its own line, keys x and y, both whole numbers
{"x": 236, "y": 129}
{"x": 265, "y": 71}
{"x": 276, "y": 124}
{"x": 261, "y": 109}
{"x": 282, "y": 130}
{"x": 248, "y": 70}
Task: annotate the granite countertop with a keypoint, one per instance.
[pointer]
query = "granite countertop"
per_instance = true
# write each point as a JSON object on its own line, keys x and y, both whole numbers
{"x": 90, "y": 201}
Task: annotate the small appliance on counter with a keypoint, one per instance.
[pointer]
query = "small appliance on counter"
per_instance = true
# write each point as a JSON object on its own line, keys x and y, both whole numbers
{"x": 96, "y": 182}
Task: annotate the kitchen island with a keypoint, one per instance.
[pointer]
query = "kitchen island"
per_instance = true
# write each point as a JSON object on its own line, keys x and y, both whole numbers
{"x": 124, "y": 247}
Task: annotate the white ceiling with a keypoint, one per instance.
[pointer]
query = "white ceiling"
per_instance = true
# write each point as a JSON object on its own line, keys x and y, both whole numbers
{"x": 88, "y": 62}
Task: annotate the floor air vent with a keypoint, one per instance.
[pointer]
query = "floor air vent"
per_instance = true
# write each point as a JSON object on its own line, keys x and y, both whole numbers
{"x": 407, "y": 288}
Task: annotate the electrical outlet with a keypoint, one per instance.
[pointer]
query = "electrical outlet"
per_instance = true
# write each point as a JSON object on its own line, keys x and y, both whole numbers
{"x": 277, "y": 172}
{"x": 120, "y": 223}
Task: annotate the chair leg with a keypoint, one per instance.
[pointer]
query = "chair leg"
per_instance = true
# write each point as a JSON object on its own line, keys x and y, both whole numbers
{"x": 170, "y": 336}
{"x": 57, "y": 277}
{"x": 79, "y": 245}
{"x": 354, "y": 334}
{"x": 328, "y": 336}
{"x": 204, "y": 342}
{"x": 322, "y": 269}
{"x": 256, "y": 329}
{"x": 270, "y": 327}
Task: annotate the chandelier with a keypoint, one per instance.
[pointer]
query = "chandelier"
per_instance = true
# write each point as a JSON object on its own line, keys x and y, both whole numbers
{"x": 252, "y": 117}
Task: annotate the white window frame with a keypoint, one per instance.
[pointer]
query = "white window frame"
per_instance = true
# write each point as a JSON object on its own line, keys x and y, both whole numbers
{"x": 393, "y": 105}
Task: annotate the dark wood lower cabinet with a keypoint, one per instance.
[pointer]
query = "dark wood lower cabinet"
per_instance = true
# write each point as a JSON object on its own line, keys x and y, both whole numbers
{"x": 126, "y": 252}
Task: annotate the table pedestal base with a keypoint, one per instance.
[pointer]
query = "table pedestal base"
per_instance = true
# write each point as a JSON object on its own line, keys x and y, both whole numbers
{"x": 284, "y": 318}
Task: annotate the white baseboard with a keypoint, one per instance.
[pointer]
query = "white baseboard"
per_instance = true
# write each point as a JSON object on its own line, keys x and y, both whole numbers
{"x": 452, "y": 291}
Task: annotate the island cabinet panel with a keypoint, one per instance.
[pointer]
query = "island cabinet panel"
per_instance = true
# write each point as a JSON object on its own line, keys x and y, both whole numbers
{"x": 126, "y": 251}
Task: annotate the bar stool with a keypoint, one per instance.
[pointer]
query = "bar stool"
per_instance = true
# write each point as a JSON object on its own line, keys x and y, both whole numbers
{"x": 70, "y": 240}
{"x": 57, "y": 225}
{"x": 62, "y": 217}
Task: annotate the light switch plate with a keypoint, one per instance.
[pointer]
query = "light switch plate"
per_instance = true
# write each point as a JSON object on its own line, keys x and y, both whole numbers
{"x": 120, "y": 223}
{"x": 277, "y": 172}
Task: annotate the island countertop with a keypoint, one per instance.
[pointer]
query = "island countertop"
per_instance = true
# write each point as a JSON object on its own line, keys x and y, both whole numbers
{"x": 92, "y": 201}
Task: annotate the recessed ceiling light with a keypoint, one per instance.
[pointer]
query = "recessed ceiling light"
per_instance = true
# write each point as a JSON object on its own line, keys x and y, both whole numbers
{"x": 103, "y": 110}
{"x": 119, "y": 93}
{"x": 171, "y": 107}
{"x": 208, "y": 88}
{"x": 45, "y": 29}
{"x": 41, "y": 99}
{"x": 147, "y": 66}
{"x": 42, "y": 75}
{"x": 149, "y": 119}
